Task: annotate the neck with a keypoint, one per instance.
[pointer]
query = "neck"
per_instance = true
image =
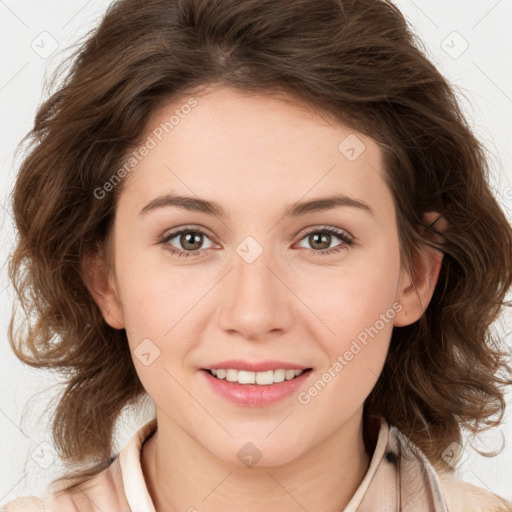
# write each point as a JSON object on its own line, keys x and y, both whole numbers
{"x": 182, "y": 475}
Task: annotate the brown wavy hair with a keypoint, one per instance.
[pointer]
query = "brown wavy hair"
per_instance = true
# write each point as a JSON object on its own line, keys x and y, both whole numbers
{"x": 357, "y": 61}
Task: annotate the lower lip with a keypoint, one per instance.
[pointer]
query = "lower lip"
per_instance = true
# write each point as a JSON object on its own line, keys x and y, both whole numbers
{"x": 255, "y": 395}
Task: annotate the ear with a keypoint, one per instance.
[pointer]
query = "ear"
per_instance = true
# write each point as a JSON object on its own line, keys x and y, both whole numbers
{"x": 416, "y": 290}
{"x": 101, "y": 284}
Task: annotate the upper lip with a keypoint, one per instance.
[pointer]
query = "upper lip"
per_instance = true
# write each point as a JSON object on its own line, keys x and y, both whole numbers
{"x": 253, "y": 366}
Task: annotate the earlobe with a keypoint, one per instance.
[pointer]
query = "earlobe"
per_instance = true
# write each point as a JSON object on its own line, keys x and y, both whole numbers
{"x": 101, "y": 285}
{"x": 417, "y": 286}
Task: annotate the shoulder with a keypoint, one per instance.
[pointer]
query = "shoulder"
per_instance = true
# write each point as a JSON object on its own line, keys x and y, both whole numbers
{"x": 458, "y": 495}
{"x": 23, "y": 504}
{"x": 462, "y": 496}
{"x": 49, "y": 503}
{"x": 104, "y": 491}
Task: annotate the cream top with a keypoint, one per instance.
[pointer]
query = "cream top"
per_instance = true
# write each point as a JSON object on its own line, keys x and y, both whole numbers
{"x": 399, "y": 478}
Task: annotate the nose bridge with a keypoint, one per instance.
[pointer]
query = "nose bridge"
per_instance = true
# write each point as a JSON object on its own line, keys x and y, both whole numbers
{"x": 252, "y": 273}
{"x": 255, "y": 303}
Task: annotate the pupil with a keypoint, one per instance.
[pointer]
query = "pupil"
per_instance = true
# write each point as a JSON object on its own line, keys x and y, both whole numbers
{"x": 324, "y": 244}
{"x": 188, "y": 239}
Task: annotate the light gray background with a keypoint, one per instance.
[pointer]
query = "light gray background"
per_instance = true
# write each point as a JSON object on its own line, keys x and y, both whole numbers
{"x": 469, "y": 41}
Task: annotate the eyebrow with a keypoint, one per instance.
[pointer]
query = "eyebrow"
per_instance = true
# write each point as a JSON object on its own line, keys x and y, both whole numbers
{"x": 195, "y": 204}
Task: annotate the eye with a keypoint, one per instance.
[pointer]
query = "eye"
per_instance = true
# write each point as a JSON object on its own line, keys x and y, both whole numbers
{"x": 189, "y": 242}
{"x": 321, "y": 238}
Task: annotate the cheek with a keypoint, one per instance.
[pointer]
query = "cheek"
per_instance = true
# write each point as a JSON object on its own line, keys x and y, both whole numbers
{"x": 354, "y": 297}
{"x": 155, "y": 297}
{"x": 156, "y": 320}
{"x": 161, "y": 320}
{"x": 356, "y": 306}
{"x": 357, "y": 321}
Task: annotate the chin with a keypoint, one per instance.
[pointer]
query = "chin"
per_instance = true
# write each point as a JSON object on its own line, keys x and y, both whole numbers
{"x": 257, "y": 452}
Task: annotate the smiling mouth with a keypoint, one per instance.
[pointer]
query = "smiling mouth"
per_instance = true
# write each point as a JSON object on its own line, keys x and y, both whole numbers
{"x": 265, "y": 378}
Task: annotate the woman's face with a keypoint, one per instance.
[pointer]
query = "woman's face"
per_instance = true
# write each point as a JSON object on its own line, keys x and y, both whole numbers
{"x": 262, "y": 280}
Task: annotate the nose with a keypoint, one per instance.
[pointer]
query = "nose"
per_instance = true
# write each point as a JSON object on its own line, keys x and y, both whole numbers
{"x": 256, "y": 300}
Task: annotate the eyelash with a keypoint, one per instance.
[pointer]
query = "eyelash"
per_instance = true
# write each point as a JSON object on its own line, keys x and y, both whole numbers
{"x": 342, "y": 235}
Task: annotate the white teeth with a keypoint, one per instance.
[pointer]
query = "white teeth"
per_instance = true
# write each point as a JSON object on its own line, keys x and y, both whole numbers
{"x": 263, "y": 378}
{"x": 231, "y": 375}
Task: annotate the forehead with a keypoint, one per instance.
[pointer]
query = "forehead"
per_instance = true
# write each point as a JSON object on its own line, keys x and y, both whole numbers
{"x": 232, "y": 146}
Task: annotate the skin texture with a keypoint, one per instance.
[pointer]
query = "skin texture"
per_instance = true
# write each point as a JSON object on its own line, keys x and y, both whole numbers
{"x": 256, "y": 156}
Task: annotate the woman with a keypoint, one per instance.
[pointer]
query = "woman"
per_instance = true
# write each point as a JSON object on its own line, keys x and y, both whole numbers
{"x": 272, "y": 219}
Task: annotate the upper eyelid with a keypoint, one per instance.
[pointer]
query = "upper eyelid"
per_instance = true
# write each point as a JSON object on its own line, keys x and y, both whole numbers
{"x": 321, "y": 227}
{"x": 174, "y": 232}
